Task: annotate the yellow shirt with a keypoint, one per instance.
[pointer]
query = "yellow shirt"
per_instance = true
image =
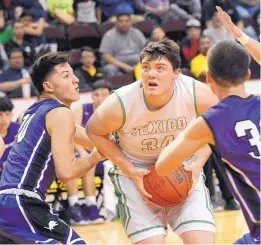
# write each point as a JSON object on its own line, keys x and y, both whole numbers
{"x": 137, "y": 71}
{"x": 198, "y": 65}
{"x": 63, "y": 5}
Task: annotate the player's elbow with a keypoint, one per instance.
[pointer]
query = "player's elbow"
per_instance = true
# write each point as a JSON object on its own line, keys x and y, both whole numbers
{"x": 65, "y": 176}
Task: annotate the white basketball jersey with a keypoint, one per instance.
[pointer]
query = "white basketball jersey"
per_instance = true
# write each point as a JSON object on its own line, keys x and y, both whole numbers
{"x": 145, "y": 133}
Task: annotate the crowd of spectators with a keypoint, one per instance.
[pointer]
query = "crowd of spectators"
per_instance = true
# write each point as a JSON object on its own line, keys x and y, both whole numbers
{"x": 113, "y": 34}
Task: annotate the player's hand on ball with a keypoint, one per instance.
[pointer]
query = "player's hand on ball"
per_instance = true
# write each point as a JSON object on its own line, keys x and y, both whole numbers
{"x": 137, "y": 176}
{"x": 195, "y": 171}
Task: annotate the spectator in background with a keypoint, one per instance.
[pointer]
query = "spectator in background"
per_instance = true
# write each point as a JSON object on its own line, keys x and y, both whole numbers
{"x": 8, "y": 129}
{"x": 87, "y": 11}
{"x": 5, "y": 28}
{"x": 199, "y": 65}
{"x": 19, "y": 42}
{"x": 217, "y": 31}
{"x": 254, "y": 30}
{"x": 158, "y": 34}
{"x": 13, "y": 79}
{"x": 247, "y": 8}
{"x": 191, "y": 7}
{"x": 209, "y": 8}
{"x": 62, "y": 11}
{"x": 88, "y": 212}
{"x": 33, "y": 30}
{"x": 87, "y": 73}
{"x": 121, "y": 47}
{"x": 112, "y": 8}
{"x": 189, "y": 44}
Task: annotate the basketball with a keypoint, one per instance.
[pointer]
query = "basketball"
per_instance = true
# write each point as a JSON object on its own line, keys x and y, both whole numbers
{"x": 168, "y": 191}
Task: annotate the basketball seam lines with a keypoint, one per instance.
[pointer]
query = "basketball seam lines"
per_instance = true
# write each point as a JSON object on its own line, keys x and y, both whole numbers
{"x": 173, "y": 187}
{"x": 159, "y": 194}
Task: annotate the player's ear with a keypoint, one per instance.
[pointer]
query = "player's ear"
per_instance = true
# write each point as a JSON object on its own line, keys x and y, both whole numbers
{"x": 209, "y": 78}
{"x": 47, "y": 86}
{"x": 248, "y": 75}
{"x": 176, "y": 74}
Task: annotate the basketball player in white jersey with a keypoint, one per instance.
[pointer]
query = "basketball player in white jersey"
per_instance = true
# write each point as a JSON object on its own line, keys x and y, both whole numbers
{"x": 146, "y": 116}
{"x": 252, "y": 46}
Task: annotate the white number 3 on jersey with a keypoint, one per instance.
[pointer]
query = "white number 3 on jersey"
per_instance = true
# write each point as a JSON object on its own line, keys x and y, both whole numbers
{"x": 241, "y": 129}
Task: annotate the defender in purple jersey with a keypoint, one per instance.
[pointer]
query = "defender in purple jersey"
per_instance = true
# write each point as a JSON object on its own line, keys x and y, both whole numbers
{"x": 88, "y": 213}
{"x": 232, "y": 128}
{"x": 43, "y": 149}
{"x": 8, "y": 129}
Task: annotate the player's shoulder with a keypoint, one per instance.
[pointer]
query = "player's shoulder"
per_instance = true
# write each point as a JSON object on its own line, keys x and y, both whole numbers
{"x": 15, "y": 126}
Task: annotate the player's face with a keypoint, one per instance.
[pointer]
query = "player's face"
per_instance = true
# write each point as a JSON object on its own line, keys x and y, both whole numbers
{"x": 5, "y": 120}
{"x": 99, "y": 95}
{"x": 63, "y": 84}
{"x": 158, "y": 76}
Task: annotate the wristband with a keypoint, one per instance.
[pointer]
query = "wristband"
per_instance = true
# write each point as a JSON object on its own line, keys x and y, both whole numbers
{"x": 243, "y": 38}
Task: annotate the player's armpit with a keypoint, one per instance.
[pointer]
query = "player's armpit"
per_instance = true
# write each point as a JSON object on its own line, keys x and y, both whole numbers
{"x": 195, "y": 136}
{"x": 205, "y": 98}
{"x": 107, "y": 118}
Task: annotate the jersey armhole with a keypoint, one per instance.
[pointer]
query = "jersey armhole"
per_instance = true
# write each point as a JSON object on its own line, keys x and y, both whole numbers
{"x": 212, "y": 131}
{"x": 194, "y": 97}
{"x": 123, "y": 109}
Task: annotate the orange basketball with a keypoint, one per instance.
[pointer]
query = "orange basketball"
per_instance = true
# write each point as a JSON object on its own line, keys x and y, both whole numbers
{"x": 168, "y": 191}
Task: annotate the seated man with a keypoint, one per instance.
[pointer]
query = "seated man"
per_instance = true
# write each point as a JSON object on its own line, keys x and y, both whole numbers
{"x": 87, "y": 73}
{"x": 88, "y": 212}
{"x": 121, "y": 46}
{"x": 8, "y": 129}
{"x": 198, "y": 65}
{"x": 13, "y": 80}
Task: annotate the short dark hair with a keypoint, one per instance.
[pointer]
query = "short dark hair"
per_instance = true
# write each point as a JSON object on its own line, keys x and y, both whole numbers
{"x": 123, "y": 14}
{"x": 102, "y": 83}
{"x": 228, "y": 63}
{"x": 14, "y": 50}
{"x": 166, "y": 48}
{"x": 44, "y": 65}
{"x": 6, "y": 104}
{"x": 87, "y": 49}
{"x": 16, "y": 21}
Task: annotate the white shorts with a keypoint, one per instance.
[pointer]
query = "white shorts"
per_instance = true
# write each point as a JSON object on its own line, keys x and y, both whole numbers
{"x": 143, "y": 220}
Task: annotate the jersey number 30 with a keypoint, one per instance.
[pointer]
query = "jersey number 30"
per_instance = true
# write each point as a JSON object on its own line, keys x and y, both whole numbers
{"x": 23, "y": 128}
{"x": 241, "y": 129}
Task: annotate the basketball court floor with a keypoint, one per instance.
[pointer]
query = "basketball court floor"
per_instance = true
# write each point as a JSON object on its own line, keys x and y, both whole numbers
{"x": 230, "y": 225}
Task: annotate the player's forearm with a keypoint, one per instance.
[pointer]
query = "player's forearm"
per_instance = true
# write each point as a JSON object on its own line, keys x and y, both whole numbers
{"x": 82, "y": 152}
{"x": 202, "y": 156}
{"x": 253, "y": 47}
{"x": 78, "y": 167}
{"x": 81, "y": 138}
{"x": 112, "y": 152}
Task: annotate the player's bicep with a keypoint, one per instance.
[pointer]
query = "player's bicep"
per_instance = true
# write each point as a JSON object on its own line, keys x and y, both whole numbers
{"x": 107, "y": 118}
{"x": 61, "y": 127}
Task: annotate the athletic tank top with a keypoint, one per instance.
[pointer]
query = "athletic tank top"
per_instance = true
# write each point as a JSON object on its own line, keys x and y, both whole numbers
{"x": 145, "y": 133}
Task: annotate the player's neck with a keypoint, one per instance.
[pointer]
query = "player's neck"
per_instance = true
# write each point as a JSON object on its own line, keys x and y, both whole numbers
{"x": 51, "y": 96}
{"x": 3, "y": 132}
{"x": 156, "y": 102}
{"x": 238, "y": 91}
